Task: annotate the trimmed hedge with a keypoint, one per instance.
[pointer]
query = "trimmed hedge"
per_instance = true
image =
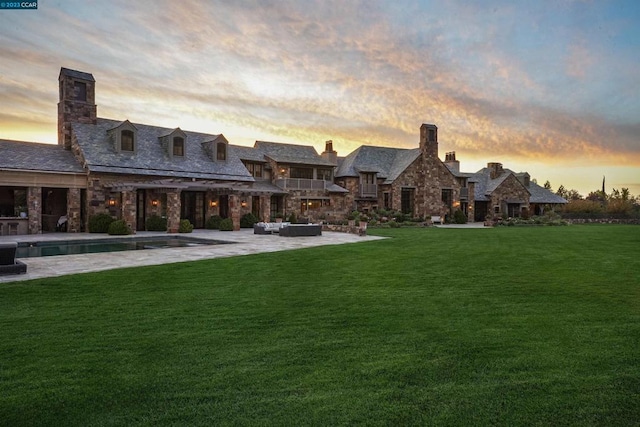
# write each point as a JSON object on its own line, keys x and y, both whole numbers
{"x": 156, "y": 223}
{"x": 226, "y": 225}
{"x": 119, "y": 228}
{"x": 247, "y": 220}
{"x": 99, "y": 223}
{"x": 213, "y": 223}
{"x": 185, "y": 226}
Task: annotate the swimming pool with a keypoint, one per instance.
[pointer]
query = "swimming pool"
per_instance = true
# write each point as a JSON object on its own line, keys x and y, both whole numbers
{"x": 74, "y": 247}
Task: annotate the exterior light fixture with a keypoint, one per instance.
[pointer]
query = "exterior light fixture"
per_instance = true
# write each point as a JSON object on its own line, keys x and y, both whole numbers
{"x": 243, "y": 204}
{"x": 154, "y": 202}
{"x": 213, "y": 203}
{"x": 111, "y": 201}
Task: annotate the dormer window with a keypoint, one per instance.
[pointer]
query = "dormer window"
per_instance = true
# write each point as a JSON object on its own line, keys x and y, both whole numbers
{"x": 221, "y": 151}
{"x": 126, "y": 140}
{"x": 124, "y": 137}
{"x": 178, "y": 146}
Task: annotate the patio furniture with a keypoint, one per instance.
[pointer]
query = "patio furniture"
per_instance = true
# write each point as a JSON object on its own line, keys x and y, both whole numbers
{"x": 8, "y": 262}
{"x": 294, "y": 230}
{"x": 268, "y": 227}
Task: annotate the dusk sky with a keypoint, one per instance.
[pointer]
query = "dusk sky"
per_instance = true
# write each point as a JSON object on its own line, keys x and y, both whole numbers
{"x": 548, "y": 87}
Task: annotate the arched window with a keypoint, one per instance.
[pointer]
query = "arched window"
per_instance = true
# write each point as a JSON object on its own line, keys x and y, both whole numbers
{"x": 178, "y": 146}
{"x": 126, "y": 141}
{"x": 221, "y": 151}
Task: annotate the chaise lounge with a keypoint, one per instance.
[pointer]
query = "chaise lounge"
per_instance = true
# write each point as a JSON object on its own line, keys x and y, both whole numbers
{"x": 8, "y": 262}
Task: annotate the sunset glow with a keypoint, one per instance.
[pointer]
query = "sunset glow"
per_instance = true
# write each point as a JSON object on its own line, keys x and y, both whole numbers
{"x": 550, "y": 87}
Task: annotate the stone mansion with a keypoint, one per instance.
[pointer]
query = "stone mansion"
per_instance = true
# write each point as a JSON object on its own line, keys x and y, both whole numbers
{"x": 134, "y": 170}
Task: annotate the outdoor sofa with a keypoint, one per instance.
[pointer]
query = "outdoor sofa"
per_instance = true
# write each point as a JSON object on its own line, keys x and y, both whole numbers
{"x": 268, "y": 227}
{"x": 293, "y": 230}
{"x": 8, "y": 262}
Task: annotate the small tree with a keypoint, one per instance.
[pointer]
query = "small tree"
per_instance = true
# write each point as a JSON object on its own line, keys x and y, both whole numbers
{"x": 459, "y": 217}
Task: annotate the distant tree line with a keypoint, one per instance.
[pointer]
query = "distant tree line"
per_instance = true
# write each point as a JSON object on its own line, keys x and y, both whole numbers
{"x": 598, "y": 204}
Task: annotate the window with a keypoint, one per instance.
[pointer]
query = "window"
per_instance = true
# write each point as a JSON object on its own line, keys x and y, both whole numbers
{"x": 305, "y": 173}
{"x": 80, "y": 91}
{"x": 126, "y": 140}
{"x": 312, "y": 204}
{"x": 447, "y": 197}
{"x": 406, "y": 201}
{"x": 386, "y": 200}
{"x": 368, "y": 178}
{"x": 324, "y": 174}
{"x": 221, "y": 151}
{"x": 255, "y": 169}
{"x": 178, "y": 146}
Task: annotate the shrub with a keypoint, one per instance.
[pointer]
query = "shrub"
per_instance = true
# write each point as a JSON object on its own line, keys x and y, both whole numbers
{"x": 118, "y": 228}
{"x": 226, "y": 225}
{"x": 393, "y": 224}
{"x": 99, "y": 223}
{"x": 459, "y": 217}
{"x": 185, "y": 226}
{"x": 247, "y": 220}
{"x": 213, "y": 223}
{"x": 156, "y": 223}
{"x": 292, "y": 218}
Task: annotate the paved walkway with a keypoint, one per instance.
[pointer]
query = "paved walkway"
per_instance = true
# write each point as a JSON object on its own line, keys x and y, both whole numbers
{"x": 244, "y": 243}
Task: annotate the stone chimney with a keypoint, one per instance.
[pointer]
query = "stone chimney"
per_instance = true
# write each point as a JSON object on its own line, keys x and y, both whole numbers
{"x": 329, "y": 154}
{"x": 495, "y": 170}
{"x": 429, "y": 140}
{"x": 77, "y": 102}
{"x": 451, "y": 162}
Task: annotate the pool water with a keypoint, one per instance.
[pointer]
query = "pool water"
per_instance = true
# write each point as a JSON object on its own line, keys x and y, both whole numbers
{"x": 74, "y": 247}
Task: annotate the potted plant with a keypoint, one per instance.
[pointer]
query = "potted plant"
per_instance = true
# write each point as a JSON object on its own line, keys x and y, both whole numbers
{"x": 352, "y": 217}
{"x": 279, "y": 216}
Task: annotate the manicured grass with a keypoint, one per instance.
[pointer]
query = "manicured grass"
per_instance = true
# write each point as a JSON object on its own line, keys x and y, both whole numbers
{"x": 509, "y": 326}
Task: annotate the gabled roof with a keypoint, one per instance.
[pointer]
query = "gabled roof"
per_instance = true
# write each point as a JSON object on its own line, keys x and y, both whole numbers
{"x": 247, "y": 153}
{"x": 542, "y": 195}
{"x": 485, "y": 185}
{"x": 291, "y": 153}
{"x": 21, "y": 155}
{"x": 150, "y": 158}
{"x": 387, "y": 162}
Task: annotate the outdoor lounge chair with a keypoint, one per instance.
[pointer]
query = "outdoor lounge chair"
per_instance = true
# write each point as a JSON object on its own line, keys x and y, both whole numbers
{"x": 8, "y": 262}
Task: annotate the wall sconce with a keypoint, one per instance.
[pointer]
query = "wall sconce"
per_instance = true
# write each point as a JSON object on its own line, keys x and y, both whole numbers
{"x": 213, "y": 203}
{"x": 154, "y": 202}
{"x": 282, "y": 170}
{"x": 111, "y": 201}
{"x": 243, "y": 204}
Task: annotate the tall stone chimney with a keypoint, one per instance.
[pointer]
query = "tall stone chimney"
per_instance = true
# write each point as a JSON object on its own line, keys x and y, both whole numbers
{"x": 429, "y": 140}
{"x": 451, "y": 162}
{"x": 329, "y": 154}
{"x": 77, "y": 102}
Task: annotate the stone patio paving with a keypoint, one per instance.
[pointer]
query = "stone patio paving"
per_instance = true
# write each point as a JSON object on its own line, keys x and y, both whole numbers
{"x": 245, "y": 243}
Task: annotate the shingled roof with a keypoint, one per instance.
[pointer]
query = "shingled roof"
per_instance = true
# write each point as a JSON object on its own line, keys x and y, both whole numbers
{"x": 21, "y": 155}
{"x": 543, "y": 196}
{"x": 151, "y": 158}
{"x": 387, "y": 163}
{"x": 291, "y": 153}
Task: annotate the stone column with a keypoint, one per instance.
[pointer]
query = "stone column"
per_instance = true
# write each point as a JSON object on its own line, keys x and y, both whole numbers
{"x": 265, "y": 208}
{"x": 129, "y": 209}
{"x": 234, "y": 211}
{"x": 173, "y": 211}
{"x": 73, "y": 210}
{"x": 34, "y": 209}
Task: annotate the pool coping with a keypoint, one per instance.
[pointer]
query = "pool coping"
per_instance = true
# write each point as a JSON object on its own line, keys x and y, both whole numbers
{"x": 245, "y": 243}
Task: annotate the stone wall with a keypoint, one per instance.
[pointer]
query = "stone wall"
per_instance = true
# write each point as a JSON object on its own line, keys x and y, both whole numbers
{"x": 510, "y": 189}
{"x": 34, "y": 208}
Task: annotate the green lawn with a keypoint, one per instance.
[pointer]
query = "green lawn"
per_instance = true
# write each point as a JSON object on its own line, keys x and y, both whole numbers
{"x": 509, "y": 326}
